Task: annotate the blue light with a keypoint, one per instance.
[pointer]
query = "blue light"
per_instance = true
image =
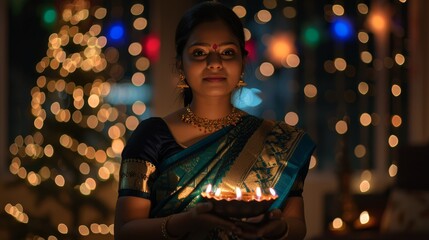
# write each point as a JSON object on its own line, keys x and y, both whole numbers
{"x": 342, "y": 28}
{"x": 247, "y": 97}
{"x": 126, "y": 93}
{"x": 116, "y": 32}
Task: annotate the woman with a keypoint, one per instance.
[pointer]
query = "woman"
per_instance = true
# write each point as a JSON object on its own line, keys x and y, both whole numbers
{"x": 169, "y": 161}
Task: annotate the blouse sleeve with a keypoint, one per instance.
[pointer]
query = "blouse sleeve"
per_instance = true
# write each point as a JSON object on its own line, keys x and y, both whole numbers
{"x": 139, "y": 159}
{"x": 135, "y": 175}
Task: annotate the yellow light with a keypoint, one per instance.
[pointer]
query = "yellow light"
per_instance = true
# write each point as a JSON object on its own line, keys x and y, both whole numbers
{"x": 94, "y": 100}
{"x": 393, "y": 141}
{"x": 364, "y": 217}
{"x": 138, "y": 79}
{"x": 84, "y": 190}
{"x": 142, "y": 64}
{"x": 396, "y": 120}
{"x": 266, "y": 69}
{"x": 366, "y": 57}
{"x": 365, "y": 119}
{"x": 393, "y": 170}
{"x": 137, "y": 9}
{"x": 363, "y": 37}
{"x": 48, "y": 150}
{"x": 363, "y": 88}
{"x": 360, "y": 151}
{"x": 291, "y": 118}
{"x": 240, "y": 11}
{"x": 84, "y": 168}
{"x": 114, "y": 132}
{"x": 341, "y": 127}
{"x": 117, "y": 146}
{"x": 310, "y": 91}
{"x": 362, "y": 8}
{"x": 292, "y": 61}
{"x": 59, "y": 180}
{"x": 263, "y": 16}
{"x": 92, "y": 121}
{"x": 399, "y": 59}
{"x": 139, "y": 107}
{"x": 247, "y": 34}
{"x": 340, "y": 64}
{"x": 83, "y": 230}
{"x": 140, "y": 23}
{"x": 338, "y": 9}
{"x": 270, "y": 4}
{"x": 337, "y": 223}
{"x": 364, "y": 186}
{"x": 396, "y": 90}
{"x": 313, "y": 162}
{"x": 279, "y": 47}
{"x": 132, "y": 122}
{"x": 135, "y": 48}
{"x": 103, "y": 173}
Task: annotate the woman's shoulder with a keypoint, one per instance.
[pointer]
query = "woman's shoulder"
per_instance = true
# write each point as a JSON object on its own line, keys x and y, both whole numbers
{"x": 150, "y": 126}
{"x": 146, "y": 136}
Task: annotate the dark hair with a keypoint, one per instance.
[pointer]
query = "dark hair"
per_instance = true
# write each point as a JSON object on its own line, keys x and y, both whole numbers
{"x": 201, "y": 13}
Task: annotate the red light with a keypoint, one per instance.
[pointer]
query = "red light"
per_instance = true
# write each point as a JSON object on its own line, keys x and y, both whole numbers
{"x": 151, "y": 47}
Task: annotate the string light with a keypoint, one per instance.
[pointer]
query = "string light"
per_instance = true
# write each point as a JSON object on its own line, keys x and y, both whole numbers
{"x": 91, "y": 105}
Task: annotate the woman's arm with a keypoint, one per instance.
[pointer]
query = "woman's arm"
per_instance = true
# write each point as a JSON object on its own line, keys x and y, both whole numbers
{"x": 132, "y": 221}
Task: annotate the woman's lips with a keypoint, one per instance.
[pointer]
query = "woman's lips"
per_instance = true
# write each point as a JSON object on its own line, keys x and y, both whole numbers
{"x": 214, "y": 79}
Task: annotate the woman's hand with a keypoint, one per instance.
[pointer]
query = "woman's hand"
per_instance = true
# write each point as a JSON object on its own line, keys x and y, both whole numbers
{"x": 273, "y": 226}
{"x": 202, "y": 219}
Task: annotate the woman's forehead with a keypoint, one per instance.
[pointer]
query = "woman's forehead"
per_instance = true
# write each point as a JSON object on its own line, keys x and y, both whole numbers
{"x": 212, "y": 32}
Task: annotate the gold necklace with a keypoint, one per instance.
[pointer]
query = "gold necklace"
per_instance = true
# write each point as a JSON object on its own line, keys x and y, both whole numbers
{"x": 208, "y": 125}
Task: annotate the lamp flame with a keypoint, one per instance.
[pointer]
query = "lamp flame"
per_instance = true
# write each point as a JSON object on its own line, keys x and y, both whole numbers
{"x": 273, "y": 192}
{"x": 209, "y": 188}
{"x": 217, "y": 193}
{"x": 238, "y": 193}
{"x": 258, "y": 192}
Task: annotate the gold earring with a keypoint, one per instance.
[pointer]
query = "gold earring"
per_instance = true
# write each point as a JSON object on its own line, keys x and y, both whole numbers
{"x": 182, "y": 83}
{"x": 241, "y": 83}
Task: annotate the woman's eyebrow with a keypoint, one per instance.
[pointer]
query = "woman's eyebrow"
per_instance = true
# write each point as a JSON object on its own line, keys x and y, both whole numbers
{"x": 209, "y": 45}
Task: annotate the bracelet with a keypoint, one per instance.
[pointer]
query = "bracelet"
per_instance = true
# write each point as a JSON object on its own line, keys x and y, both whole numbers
{"x": 164, "y": 228}
{"x": 283, "y": 236}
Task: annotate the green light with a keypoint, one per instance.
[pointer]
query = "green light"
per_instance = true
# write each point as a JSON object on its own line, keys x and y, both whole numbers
{"x": 311, "y": 36}
{"x": 49, "y": 16}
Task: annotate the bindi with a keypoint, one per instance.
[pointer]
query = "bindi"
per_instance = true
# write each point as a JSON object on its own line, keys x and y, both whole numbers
{"x": 214, "y": 46}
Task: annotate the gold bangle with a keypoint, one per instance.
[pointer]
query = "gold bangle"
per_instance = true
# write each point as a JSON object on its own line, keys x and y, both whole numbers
{"x": 164, "y": 228}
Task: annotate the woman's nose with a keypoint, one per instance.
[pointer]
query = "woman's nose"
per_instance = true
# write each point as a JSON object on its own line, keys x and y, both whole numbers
{"x": 214, "y": 61}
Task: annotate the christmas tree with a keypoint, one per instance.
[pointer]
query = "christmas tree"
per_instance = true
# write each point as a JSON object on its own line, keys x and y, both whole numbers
{"x": 70, "y": 163}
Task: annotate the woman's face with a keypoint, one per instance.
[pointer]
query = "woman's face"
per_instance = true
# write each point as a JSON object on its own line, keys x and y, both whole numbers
{"x": 212, "y": 60}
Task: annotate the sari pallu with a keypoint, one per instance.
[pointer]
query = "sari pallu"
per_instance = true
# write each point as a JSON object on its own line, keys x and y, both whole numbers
{"x": 254, "y": 153}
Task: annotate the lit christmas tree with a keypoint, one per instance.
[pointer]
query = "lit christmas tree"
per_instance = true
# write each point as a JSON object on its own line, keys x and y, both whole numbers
{"x": 81, "y": 121}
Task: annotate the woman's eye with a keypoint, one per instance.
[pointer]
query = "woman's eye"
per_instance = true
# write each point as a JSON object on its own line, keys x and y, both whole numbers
{"x": 229, "y": 52}
{"x": 198, "y": 53}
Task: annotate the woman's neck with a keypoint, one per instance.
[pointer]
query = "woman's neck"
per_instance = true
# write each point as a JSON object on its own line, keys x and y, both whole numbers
{"x": 211, "y": 108}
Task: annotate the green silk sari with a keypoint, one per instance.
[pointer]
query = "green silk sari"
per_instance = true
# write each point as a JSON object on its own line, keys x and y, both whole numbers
{"x": 255, "y": 153}
{"x": 279, "y": 152}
